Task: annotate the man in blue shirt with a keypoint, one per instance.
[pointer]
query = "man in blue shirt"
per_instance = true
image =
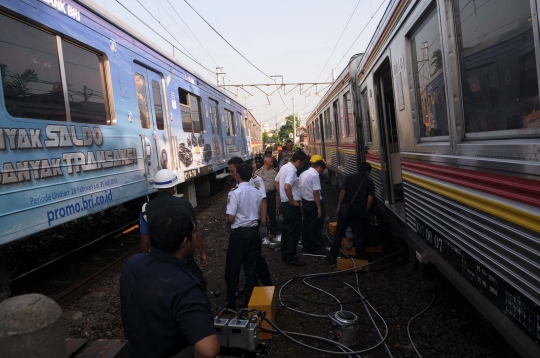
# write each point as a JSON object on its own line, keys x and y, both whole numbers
{"x": 162, "y": 304}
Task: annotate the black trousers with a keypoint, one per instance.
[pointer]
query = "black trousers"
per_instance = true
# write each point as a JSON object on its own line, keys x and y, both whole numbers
{"x": 310, "y": 226}
{"x": 262, "y": 273}
{"x": 271, "y": 210}
{"x": 244, "y": 250}
{"x": 360, "y": 228}
{"x": 292, "y": 225}
{"x": 192, "y": 264}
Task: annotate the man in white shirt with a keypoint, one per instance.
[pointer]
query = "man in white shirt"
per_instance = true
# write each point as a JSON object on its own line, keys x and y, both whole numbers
{"x": 243, "y": 213}
{"x": 310, "y": 188}
{"x": 288, "y": 187}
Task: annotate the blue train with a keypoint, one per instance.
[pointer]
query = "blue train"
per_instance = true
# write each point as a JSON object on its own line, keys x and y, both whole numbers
{"x": 90, "y": 110}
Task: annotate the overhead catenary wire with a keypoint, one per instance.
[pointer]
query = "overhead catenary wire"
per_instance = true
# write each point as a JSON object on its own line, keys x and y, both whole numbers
{"x": 339, "y": 39}
{"x": 354, "y": 42}
{"x": 181, "y": 19}
{"x": 228, "y": 43}
{"x": 164, "y": 39}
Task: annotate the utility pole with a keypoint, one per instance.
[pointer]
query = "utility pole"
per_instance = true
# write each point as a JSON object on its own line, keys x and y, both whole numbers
{"x": 293, "y": 123}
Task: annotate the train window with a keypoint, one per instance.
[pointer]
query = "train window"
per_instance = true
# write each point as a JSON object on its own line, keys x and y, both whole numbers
{"x": 336, "y": 125}
{"x": 158, "y": 105}
{"x": 229, "y": 122}
{"x": 327, "y": 124}
{"x": 429, "y": 78}
{"x": 86, "y": 85}
{"x": 349, "y": 121}
{"x": 365, "y": 116}
{"x": 142, "y": 100}
{"x": 31, "y": 81}
{"x": 213, "y": 109}
{"x": 319, "y": 126}
{"x": 196, "y": 113}
{"x": 500, "y": 86}
{"x": 190, "y": 108}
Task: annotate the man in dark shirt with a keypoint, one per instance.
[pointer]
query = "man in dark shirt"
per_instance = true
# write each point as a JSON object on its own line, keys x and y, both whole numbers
{"x": 163, "y": 307}
{"x": 166, "y": 181}
{"x": 358, "y": 211}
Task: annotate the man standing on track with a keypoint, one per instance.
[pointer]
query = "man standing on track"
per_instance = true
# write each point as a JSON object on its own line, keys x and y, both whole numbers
{"x": 268, "y": 175}
{"x": 357, "y": 190}
{"x": 288, "y": 187}
{"x": 287, "y": 153}
{"x": 243, "y": 214}
{"x": 320, "y": 221}
{"x": 261, "y": 271}
{"x": 166, "y": 181}
{"x": 310, "y": 188}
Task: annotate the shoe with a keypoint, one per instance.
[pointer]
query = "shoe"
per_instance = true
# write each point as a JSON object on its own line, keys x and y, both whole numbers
{"x": 295, "y": 262}
{"x": 330, "y": 259}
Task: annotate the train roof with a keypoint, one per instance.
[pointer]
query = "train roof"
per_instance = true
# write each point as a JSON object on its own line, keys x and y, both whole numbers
{"x": 113, "y": 20}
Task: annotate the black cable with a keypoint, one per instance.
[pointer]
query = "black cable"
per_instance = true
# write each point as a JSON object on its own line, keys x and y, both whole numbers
{"x": 217, "y": 32}
{"x": 192, "y": 32}
{"x": 164, "y": 39}
{"x": 340, "y": 36}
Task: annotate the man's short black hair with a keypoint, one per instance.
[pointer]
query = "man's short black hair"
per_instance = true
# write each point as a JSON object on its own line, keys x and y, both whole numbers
{"x": 288, "y": 141}
{"x": 364, "y": 167}
{"x": 168, "y": 227}
{"x": 319, "y": 163}
{"x": 236, "y": 161}
{"x": 244, "y": 171}
{"x": 298, "y": 155}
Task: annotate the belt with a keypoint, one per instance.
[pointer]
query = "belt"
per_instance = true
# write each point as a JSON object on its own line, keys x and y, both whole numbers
{"x": 308, "y": 201}
{"x": 270, "y": 192}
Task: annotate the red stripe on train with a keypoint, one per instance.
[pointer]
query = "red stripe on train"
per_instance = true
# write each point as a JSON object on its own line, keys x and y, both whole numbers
{"x": 373, "y": 158}
{"x": 522, "y": 190}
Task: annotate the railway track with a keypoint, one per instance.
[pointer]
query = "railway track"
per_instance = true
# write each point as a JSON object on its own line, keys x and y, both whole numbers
{"x": 68, "y": 289}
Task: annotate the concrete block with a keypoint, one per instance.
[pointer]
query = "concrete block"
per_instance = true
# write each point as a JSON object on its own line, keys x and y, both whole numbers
{"x": 31, "y": 326}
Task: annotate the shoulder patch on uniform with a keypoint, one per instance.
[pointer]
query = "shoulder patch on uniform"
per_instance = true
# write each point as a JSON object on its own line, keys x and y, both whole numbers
{"x": 257, "y": 184}
{"x": 254, "y": 176}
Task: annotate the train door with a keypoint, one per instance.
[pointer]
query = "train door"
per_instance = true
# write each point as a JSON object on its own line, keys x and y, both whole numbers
{"x": 337, "y": 131}
{"x": 242, "y": 134}
{"x": 390, "y": 157}
{"x": 149, "y": 89}
{"x": 321, "y": 132}
{"x": 217, "y": 137}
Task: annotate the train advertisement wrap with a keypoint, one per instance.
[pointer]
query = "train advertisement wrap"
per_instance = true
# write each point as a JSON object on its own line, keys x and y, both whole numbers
{"x": 56, "y": 173}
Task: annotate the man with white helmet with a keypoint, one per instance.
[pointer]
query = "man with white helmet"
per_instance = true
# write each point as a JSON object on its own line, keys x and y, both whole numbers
{"x": 165, "y": 181}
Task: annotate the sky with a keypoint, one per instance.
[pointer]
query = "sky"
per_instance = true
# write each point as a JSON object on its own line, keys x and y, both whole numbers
{"x": 291, "y": 38}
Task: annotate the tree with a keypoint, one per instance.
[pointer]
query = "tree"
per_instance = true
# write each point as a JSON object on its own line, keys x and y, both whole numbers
{"x": 284, "y": 131}
{"x": 265, "y": 138}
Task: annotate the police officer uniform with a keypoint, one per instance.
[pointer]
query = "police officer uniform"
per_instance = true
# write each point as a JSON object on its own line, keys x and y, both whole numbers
{"x": 309, "y": 182}
{"x": 244, "y": 249}
{"x": 268, "y": 177}
{"x": 164, "y": 199}
{"x": 258, "y": 183}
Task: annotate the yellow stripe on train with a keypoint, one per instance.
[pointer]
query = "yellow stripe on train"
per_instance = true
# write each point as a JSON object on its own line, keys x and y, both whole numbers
{"x": 503, "y": 211}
